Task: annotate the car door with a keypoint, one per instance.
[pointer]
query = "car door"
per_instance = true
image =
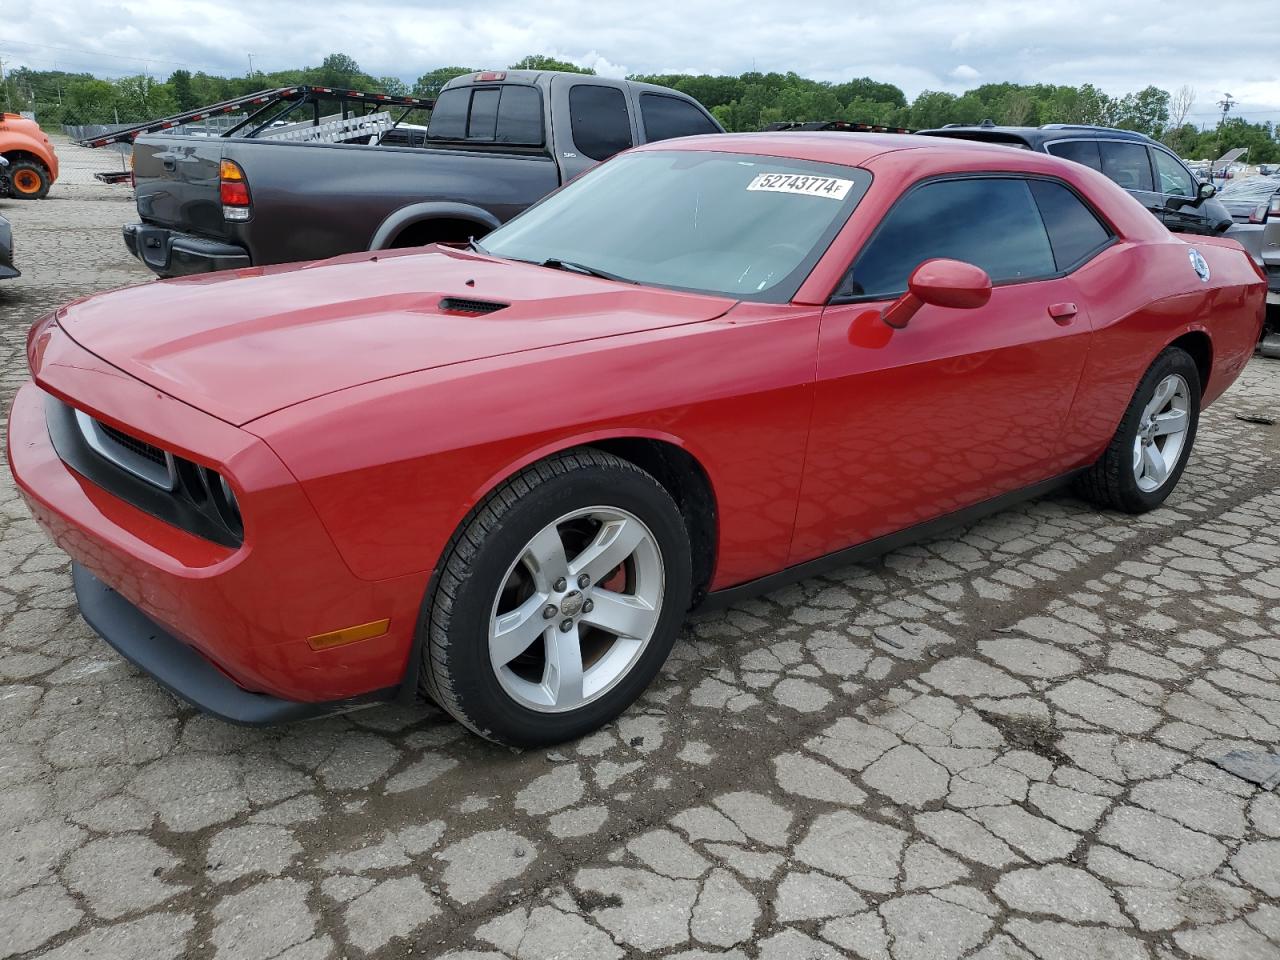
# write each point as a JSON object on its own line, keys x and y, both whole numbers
{"x": 1173, "y": 180}
{"x": 591, "y": 121}
{"x": 961, "y": 405}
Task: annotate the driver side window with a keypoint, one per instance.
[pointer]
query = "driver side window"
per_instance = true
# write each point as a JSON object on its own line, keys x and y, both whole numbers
{"x": 991, "y": 222}
{"x": 1174, "y": 180}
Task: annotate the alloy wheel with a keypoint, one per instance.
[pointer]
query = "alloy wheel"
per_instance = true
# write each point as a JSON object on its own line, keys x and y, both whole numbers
{"x": 1162, "y": 433}
{"x": 576, "y": 609}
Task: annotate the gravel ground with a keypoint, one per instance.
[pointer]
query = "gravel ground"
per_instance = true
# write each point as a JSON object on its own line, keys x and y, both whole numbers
{"x": 993, "y": 746}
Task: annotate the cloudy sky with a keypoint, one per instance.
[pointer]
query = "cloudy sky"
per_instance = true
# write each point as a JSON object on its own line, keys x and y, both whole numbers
{"x": 1118, "y": 45}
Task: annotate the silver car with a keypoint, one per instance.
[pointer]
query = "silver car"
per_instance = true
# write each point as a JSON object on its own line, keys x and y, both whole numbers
{"x": 1254, "y": 204}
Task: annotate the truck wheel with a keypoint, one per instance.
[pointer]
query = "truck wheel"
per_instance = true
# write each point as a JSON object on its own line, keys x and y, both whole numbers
{"x": 28, "y": 180}
{"x": 557, "y": 601}
{"x": 1151, "y": 446}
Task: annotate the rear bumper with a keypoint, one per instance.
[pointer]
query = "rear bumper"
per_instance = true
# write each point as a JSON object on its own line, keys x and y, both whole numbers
{"x": 169, "y": 253}
{"x": 181, "y": 670}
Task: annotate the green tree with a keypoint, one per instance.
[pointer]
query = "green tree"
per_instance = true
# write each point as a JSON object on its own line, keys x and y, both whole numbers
{"x": 430, "y": 84}
{"x": 142, "y": 97}
{"x": 1146, "y": 111}
{"x": 183, "y": 92}
{"x": 539, "y": 61}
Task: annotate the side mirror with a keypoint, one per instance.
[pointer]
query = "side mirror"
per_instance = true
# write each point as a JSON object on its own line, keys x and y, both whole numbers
{"x": 940, "y": 283}
{"x": 1207, "y": 190}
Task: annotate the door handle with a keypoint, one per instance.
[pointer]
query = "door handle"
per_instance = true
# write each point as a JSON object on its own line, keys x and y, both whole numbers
{"x": 1063, "y": 313}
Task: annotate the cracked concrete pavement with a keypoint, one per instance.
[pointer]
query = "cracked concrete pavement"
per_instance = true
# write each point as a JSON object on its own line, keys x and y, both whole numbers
{"x": 994, "y": 745}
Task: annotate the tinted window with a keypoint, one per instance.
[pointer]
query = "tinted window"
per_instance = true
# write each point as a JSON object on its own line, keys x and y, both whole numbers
{"x": 449, "y": 118}
{"x": 992, "y": 223}
{"x": 1126, "y": 164}
{"x": 1174, "y": 179}
{"x": 484, "y": 114}
{"x": 520, "y": 115}
{"x": 667, "y": 117}
{"x": 599, "y": 121}
{"x": 1074, "y": 232}
{"x": 1081, "y": 151}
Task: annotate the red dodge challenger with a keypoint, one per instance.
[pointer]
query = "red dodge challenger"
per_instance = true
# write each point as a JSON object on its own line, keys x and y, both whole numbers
{"x": 500, "y": 476}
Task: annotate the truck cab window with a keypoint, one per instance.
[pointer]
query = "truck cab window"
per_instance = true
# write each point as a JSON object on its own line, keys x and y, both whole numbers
{"x": 520, "y": 116}
{"x": 599, "y": 122}
{"x": 449, "y": 118}
{"x": 667, "y": 117}
{"x": 483, "y": 122}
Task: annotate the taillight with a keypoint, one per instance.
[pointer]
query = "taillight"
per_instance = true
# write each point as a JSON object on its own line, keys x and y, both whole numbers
{"x": 234, "y": 191}
{"x": 1258, "y": 214}
{"x": 1274, "y": 209}
{"x": 133, "y": 169}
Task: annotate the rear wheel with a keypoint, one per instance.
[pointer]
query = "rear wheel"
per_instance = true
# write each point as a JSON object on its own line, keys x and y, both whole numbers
{"x": 1151, "y": 446}
{"x": 28, "y": 180}
{"x": 558, "y": 601}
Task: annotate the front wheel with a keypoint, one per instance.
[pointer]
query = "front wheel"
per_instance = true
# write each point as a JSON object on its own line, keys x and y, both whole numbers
{"x": 559, "y": 598}
{"x": 28, "y": 180}
{"x": 1149, "y": 451}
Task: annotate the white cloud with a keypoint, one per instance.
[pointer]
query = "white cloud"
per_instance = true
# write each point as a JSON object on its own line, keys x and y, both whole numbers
{"x": 913, "y": 43}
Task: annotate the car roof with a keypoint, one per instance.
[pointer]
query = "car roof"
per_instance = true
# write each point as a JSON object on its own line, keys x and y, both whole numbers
{"x": 1034, "y": 137}
{"x": 850, "y": 149}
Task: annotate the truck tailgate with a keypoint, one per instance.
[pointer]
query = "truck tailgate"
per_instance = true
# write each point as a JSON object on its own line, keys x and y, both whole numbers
{"x": 177, "y": 183}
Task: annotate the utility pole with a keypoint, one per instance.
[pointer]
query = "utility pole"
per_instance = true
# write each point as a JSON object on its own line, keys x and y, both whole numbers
{"x": 251, "y": 66}
{"x": 1226, "y": 103}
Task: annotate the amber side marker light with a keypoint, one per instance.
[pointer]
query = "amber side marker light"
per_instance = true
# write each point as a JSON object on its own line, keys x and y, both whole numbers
{"x": 337, "y": 638}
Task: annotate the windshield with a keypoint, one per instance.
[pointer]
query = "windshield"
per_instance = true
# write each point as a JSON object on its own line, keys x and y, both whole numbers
{"x": 739, "y": 225}
{"x": 1251, "y": 188}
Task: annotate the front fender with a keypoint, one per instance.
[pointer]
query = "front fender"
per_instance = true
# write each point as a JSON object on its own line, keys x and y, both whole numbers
{"x": 396, "y": 221}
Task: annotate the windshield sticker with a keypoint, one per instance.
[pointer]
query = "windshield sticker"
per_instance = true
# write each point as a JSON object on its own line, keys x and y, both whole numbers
{"x": 831, "y": 187}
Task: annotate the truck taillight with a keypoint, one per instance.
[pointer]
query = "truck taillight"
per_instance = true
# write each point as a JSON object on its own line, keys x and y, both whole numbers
{"x": 133, "y": 169}
{"x": 1258, "y": 214}
{"x": 1273, "y": 210}
{"x": 234, "y": 191}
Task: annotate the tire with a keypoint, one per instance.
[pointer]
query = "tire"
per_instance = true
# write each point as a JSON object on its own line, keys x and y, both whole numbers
{"x": 28, "y": 180}
{"x": 498, "y": 567}
{"x": 1122, "y": 478}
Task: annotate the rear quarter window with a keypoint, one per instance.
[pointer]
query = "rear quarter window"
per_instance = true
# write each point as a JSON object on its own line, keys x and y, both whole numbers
{"x": 1075, "y": 232}
{"x": 1080, "y": 151}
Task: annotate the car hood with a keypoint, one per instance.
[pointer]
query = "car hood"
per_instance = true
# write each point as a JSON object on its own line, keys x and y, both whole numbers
{"x": 243, "y": 344}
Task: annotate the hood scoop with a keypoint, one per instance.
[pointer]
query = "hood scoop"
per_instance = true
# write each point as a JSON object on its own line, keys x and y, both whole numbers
{"x": 471, "y": 308}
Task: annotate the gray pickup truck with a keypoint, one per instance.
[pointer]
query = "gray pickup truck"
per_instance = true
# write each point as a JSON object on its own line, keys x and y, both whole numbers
{"x": 497, "y": 142}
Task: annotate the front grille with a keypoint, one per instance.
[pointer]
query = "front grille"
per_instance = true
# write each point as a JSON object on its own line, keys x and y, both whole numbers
{"x": 140, "y": 447}
{"x": 473, "y": 307}
{"x": 178, "y": 491}
{"x": 143, "y": 460}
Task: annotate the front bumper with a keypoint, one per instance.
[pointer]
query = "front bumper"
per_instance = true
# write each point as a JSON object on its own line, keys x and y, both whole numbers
{"x": 169, "y": 253}
{"x": 182, "y": 670}
{"x": 245, "y": 611}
